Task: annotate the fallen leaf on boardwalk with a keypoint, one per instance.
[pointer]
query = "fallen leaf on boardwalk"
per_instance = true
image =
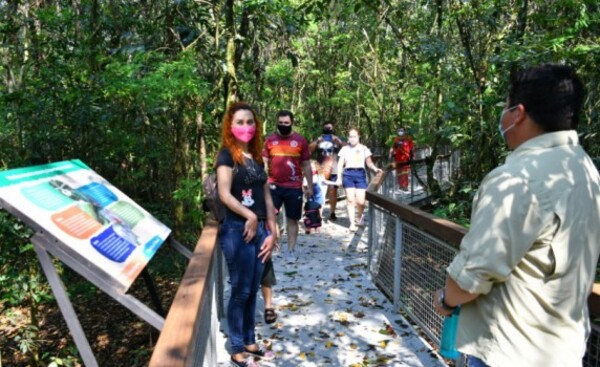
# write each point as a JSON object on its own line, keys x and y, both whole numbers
{"x": 359, "y": 315}
{"x": 383, "y": 344}
{"x": 323, "y": 334}
{"x": 351, "y": 267}
{"x": 340, "y": 334}
{"x": 276, "y": 336}
{"x": 342, "y": 318}
{"x": 389, "y": 330}
{"x": 290, "y": 306}
{"x": 302, "y": 356}
{"x": 401, "y": 323}
{"x": 290, "y": 273}
{"x": 353, "y": 346}
{"x": 291, "y": 289}
{"x": 366, "y": 302}
{"x": 343, "y": 322}
{"x": 384, "y": 358}
{"x": 329, "y": 344}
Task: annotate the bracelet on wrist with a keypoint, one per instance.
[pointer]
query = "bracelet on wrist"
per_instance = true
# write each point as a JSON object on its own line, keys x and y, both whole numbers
{"x": 443, "y": 303}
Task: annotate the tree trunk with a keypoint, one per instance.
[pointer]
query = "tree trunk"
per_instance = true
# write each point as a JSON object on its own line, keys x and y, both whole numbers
{"x": 231, "y": 91}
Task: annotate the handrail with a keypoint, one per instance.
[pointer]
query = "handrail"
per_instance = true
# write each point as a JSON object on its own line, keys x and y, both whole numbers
{"x": 442, "y": 228}
{"x": 178, "y": 341}
{"x": 450, "y": 231}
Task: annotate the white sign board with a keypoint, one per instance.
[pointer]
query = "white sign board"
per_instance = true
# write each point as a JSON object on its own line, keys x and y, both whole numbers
{"x": 85, "y": 212}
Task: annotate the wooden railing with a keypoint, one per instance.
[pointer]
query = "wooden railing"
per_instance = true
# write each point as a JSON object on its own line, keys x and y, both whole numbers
{"x": 189, "y": 334}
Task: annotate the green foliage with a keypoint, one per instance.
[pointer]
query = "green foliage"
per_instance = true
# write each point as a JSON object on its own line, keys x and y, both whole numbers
{"x": 456, "y": 207}
{"x": 191, "y": 196}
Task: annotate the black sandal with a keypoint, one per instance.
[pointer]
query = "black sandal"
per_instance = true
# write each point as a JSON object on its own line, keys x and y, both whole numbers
{"x": 270, "y": 315}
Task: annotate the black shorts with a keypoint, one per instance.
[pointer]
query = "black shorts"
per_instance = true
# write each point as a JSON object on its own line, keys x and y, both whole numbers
{"x": 291, "y": 199}
{"x": 268, "y": 276}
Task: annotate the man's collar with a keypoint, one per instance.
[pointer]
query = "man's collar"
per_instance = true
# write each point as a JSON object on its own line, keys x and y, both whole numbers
{"x": 549, "y": 140}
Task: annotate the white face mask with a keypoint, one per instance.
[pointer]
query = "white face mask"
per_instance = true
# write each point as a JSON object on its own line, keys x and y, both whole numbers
{"x": 500, "y": 129}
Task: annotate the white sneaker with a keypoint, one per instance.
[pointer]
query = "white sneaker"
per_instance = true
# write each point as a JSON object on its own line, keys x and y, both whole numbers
{"x": 352, "y": 228}
{"x": 291, "y": 257}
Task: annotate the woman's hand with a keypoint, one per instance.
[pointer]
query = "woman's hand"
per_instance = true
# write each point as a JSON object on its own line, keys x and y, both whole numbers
{"x": 250, "y": 228}
{"x": 267, "y": 248}
{"x": 277, "y": 245}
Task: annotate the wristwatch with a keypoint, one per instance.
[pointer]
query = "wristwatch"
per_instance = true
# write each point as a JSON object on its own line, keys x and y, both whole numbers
{"x": 443, "y": 303}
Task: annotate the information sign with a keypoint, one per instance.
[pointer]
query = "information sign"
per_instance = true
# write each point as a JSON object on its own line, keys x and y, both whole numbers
{"x": 86, "y": 213}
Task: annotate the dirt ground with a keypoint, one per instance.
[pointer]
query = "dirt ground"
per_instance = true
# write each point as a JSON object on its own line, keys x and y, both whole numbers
{"x": 117, "y": 336}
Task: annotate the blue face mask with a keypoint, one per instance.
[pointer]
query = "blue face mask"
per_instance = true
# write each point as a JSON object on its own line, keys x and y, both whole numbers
{"x": 500, "y": 129}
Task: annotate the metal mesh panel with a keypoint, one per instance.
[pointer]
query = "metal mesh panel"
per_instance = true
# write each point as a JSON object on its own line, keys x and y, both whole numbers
{"x": 592, "y": 355}
{"x": 382, "y": 266}
{"x": 424, "y": 260}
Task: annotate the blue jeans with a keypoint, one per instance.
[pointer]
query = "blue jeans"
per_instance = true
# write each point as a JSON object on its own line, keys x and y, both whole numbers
{"x": 475, "y": 362}
{"x": 245, "y": 273}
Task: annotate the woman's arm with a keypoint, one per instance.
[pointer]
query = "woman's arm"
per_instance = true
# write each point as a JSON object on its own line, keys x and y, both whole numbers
{"x": 267, "y": 247}
{"x": 340, "y": 166}
{"x": 372, "y": 165}
{"x": 271, "y": 220}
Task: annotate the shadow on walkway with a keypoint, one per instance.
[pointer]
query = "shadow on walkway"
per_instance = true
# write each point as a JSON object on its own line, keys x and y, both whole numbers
{"x": 329, "y": 311}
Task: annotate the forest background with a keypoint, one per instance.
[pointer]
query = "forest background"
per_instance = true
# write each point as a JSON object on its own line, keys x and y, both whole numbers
{"x": 136, "y": 90}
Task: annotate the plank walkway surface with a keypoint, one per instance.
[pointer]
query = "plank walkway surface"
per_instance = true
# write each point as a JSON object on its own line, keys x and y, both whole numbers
{"x": 329, "y": 311}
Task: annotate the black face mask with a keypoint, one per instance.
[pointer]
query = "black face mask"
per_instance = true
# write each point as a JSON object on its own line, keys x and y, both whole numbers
{"x": 328, "y": 131}
{"x": 284, "y": 129}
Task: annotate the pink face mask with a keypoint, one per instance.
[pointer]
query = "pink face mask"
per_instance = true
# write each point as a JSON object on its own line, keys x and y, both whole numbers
{"x": 243, "y": 133}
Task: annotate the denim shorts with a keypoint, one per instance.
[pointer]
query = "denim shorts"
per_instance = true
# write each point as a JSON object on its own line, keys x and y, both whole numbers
{"x": 354, "y": 178}
{"x": 291, "y": 199}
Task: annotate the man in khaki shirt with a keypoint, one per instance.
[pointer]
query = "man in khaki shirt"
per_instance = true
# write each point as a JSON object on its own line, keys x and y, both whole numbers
{"x": 526, "y": 268}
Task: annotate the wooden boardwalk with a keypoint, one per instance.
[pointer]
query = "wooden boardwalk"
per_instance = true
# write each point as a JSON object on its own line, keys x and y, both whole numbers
{"x": 330, "y": 313}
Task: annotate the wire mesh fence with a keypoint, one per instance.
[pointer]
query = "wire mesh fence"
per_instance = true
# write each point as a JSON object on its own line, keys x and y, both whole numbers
{"x": 592, "y": 354}
{"x": 422, "y": 262}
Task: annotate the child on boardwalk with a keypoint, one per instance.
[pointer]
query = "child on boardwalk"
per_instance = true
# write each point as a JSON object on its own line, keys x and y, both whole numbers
{"x": 314, "y": 206}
